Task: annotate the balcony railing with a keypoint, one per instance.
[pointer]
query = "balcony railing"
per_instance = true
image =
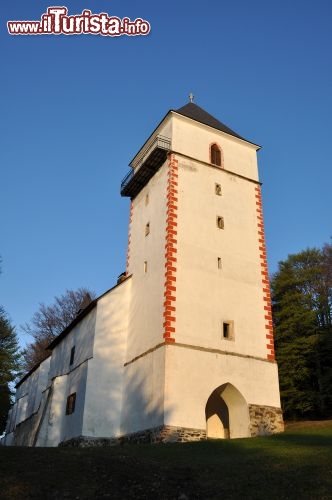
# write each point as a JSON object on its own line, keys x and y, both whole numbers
{"x": 145, "y": 166}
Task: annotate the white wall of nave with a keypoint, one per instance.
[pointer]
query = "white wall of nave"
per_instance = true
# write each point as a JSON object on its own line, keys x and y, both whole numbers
{"x": 104, "y": 390}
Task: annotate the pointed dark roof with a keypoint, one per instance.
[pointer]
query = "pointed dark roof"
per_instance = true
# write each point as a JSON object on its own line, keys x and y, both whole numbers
{"x": 198, "y": 114}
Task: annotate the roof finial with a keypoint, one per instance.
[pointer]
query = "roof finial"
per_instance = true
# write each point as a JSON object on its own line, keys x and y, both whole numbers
{"x": 191, "y": 97}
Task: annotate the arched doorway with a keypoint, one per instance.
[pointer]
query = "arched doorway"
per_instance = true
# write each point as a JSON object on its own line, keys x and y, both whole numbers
{"x": 226, "y": 413}
{"x": 217, "y": 417}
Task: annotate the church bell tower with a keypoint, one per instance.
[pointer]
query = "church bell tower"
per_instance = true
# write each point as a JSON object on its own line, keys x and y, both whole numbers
{"x": 200, "y": 357}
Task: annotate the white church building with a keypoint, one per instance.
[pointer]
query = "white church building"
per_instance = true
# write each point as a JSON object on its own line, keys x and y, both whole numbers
{"x": 181, "y": 348}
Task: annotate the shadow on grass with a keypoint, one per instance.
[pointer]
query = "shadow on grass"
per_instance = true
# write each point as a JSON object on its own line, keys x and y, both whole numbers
{"x": 306, "y": 440}
{"x": 282, "y": 466}
{"x": 285, "y": 466}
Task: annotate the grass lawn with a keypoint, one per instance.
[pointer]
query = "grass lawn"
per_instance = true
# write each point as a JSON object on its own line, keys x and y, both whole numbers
{"x": 294, "y": 465}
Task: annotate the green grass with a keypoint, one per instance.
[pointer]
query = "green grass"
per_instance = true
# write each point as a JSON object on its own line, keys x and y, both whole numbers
{"x": 294, "y": 465}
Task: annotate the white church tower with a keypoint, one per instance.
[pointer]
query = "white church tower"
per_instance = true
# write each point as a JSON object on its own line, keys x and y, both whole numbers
{"x": 181, "y": 348}
{"x": 200, "y": 357}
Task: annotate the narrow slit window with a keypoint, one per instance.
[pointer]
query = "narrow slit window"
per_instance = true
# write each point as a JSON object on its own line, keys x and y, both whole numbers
{"x": 218, "y": 189}
{"x": 215, "y": 155}
{"x": 70, "y": 406}
{"x": 72, "y": 355}
{"x": 220, "y": 222}
{"x": 219, "y": 263}
{"x": 145, "y": 267}
{"x": 147, "y": 199}
{"x": 227, "y": 330}
{"x": 147, "y": 228}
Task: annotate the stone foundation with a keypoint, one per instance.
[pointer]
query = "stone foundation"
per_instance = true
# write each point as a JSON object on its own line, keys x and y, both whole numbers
{"x": 161, "y": 434}
{"x": 87, "y": 442}
{"x": 166, "y": 434}
{"x": 265, "y": 420}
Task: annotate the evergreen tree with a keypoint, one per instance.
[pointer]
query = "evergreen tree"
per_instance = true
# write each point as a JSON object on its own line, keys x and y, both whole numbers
{"x": 301, "y": 301}
{"x": 9, "y": 365}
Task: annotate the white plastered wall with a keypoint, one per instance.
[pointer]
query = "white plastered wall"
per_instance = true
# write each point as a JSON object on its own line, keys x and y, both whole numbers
{"x": 206, "y": 295}
{"x": 192, "y": 375}
{"x": 82, "y": 337}
{"x": 103, "y": 400}
{"x": 146, "y": 308}
{"x": 194, "y": 139}
{"x": 29, "y": 395}
{"x": 64, "y": 380}
{"x": 51, "y": 426}
{"x": 143, "y": 392}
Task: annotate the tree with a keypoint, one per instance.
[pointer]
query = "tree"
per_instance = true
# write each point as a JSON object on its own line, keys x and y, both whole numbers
{"x": 301, "y": 301}
{"x": 9, "y": 365}
{"x": 49, "y": 321}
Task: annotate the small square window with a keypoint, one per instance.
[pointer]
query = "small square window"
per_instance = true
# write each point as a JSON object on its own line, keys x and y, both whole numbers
{"x": 220, "y": 222}
{"x": 70, "y": 406}
{"x": 227, "y": 330}
{"x": 147, "y": 228}
{"x": 72, "y": 355}
{"x": 218, "y": 189}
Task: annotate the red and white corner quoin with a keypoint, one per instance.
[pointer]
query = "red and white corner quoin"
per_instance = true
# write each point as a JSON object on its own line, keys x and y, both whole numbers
{"x": 265, "y": 275}
{"x": 171, "y": 251}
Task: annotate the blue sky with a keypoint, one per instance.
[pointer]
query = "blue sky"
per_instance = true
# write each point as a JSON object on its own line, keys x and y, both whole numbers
{"x": 75, "y": 110}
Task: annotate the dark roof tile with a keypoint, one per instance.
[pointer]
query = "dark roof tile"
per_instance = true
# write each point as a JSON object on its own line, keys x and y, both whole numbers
{"x": 198, "y": 114}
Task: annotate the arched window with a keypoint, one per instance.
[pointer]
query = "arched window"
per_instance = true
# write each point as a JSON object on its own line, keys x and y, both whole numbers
{"x": 215, "y": 155}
